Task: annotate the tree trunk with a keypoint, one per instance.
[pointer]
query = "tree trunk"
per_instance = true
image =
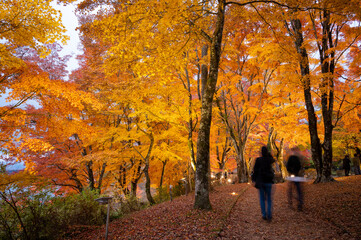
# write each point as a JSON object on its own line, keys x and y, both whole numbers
{"x": 272, "y": 137}
{"x": 202, "y": 167}
{"x": 147, "y": 185}
{"x": 242, "y": 169}
{"x": 101, "y": 175}
{"x": 74, "y": 177}
{"x": 312, "y": 119}
{"x": 327, "y": 96}
{"x": 134, "y": 182}
{"x": 162, "y": 174}
{"x": 146, "y": 173}
{"x": 190, "y": 125}
{"x": 122, "y": 179}
{"x": 204, "y": 70}
{"x": 89, "y": 168}
{"x": 221, "y": 152}
{"x": 133, "y": 187}
{"x": 280, "y": 159}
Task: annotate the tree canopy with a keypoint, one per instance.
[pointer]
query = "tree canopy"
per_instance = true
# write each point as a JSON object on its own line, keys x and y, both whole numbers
{"x": 168, "y": 91}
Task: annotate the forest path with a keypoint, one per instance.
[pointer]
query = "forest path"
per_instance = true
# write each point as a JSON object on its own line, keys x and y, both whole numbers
{"x": 331, "y": 211}
{"x": 245, "y": 220}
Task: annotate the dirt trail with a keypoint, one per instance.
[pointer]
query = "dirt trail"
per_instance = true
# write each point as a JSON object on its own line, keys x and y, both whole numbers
{"x": 245, "y": 221}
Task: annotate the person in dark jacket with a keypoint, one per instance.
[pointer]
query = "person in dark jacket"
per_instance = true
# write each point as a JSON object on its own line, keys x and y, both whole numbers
{"x": 262, "y": 176}
{"x": 346, "y": 164}
{"x": 294, "y": 167}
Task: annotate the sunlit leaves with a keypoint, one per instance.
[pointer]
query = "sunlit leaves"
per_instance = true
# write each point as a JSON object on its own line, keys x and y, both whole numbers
{"x": 27, "y": 23}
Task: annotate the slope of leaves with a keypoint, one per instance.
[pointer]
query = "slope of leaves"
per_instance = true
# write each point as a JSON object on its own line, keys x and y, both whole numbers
{"x": 173, "y": 220}
{"x": 238, "y": 216}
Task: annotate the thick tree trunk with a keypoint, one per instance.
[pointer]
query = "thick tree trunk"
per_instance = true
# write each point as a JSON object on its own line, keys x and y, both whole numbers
{"x": 312, "y": 119}
{"x": 327, "y": 96}
{"x": 204, "y": 70}
{"x": 242, "y": 169}
{"x": 202, "y": 167}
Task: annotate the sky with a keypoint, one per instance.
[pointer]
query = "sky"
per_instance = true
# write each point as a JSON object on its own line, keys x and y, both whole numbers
{"x": 71, "y": 23}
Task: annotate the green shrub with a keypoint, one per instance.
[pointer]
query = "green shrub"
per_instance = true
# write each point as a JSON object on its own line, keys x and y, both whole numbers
{"x": 40, "y": 215}
{"x": 162, "y": 194}
{"x": 126, "y": 205}
{"x": 178, "y": 189}
{"x": 80, "y": 209}
{"x": 28, "y": 215}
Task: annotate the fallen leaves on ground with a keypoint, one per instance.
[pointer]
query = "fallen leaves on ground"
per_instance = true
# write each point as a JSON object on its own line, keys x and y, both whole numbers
{"x": 332, "y": 211}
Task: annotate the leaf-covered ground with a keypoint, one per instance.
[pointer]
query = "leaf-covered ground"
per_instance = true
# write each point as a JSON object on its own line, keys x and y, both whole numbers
{"x": 332, "y": 211}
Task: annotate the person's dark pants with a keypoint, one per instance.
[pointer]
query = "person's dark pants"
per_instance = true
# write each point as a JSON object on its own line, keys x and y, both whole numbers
{"x": 298, "y": 186}
{"x": 265, "y": 194}
{"x": 347, "y": 171}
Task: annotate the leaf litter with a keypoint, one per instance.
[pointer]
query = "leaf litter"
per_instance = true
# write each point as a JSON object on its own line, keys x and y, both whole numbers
{"x": 331, "y": 211}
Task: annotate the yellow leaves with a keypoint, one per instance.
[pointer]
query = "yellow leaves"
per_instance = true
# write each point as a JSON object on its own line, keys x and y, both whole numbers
{"x": 257, "y": 88}
{"x": 151, "y": 35}
{"x": 249, "y": 110}
{"x": 38, "y": 83}
{"x": 35, "y": 145}
{"x": 20, "y": 179}
{"x": 27, "y": 23}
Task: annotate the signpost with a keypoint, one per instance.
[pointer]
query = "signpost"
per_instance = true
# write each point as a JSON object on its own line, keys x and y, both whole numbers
{"x": 103, "y": 201}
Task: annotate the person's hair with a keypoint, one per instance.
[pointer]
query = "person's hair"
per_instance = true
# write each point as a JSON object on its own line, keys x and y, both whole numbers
{"x": 264, "y": 151}
{"x": 266, "y": 154}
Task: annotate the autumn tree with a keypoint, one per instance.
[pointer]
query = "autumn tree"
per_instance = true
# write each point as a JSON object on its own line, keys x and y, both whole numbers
{"x": 316, "y": 27}
{"x": 146, "y": 35}
{"x": 153, "y": 62}
{"x": 332, "y": 37}
{"x": 30, "y": 24}
{"x": 29, "y": 30}
{"x": 48, "y": 132}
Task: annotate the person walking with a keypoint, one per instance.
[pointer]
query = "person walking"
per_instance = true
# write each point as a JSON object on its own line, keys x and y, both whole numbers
{"x": 356, "y": 162}
{"x": 346, "y": 165}
{"x": 294, "y": 167}
{"x": 262, "y": 177}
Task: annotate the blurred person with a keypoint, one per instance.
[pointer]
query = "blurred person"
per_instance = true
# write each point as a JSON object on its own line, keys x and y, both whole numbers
{"x": 346, "y": 165}
{"x": 356, "y": 162}
{"x": 294, "y": 168}
{"x": 262, "y": 177}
